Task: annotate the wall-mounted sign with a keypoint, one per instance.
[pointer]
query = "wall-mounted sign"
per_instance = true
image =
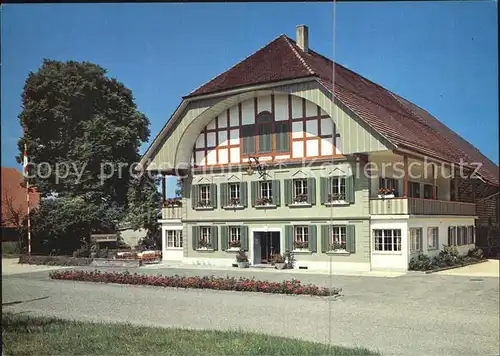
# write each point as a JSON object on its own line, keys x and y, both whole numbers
{"x": 104, "y": 237}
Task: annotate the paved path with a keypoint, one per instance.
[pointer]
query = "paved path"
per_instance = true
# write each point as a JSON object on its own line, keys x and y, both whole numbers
{"x": 490, "y": 268}
{"x": 408, "y": 315}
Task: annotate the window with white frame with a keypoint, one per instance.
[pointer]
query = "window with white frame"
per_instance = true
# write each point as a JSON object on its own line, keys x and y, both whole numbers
{"x": 387, "y": 240}
{"x": 432, "y": 238}
{"x": 338, "y": 238}
{"x": 266, "y": 190}
{"x": 460, "y": 236}
{"x": 234, "y": 193}
{"x": 234, "y": 237}
{"x": 416, "y": 239}
{"x": 452, "y": 236}
{"x": 174, "y": 238}
{"x": 470, "y": 234}
{"x": 300, "y": 190}
{"x": 337, "y": 188}
{"x": 301, "y": 235}
{"x": 205, "y": 236}
{"x": 205, "y": 194}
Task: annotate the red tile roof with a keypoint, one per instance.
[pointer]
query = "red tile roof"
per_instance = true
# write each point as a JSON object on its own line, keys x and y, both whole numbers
{"x": 14, "y": 196}
{"x": 398, "y": 120}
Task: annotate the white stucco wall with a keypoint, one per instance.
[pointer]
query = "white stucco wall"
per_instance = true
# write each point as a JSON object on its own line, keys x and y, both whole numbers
{"x": 387, "y": 259}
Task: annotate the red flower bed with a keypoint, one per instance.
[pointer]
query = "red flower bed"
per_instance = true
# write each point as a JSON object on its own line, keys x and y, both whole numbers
{"x": 228, "y": 283}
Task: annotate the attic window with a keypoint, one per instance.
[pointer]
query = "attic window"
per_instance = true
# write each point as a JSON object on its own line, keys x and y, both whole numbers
{"x": 266, "y": 136}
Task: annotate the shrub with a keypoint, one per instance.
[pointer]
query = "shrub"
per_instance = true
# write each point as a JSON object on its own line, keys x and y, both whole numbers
{"x": 241, "y": 256}
{"x": 476, "y": 253}
{"x": 54, "y": 260}
{"x": 219, "y": 283}
{"x": 277, "y": 258}
{"x": 10, "y": 247}
{"x": 421, "y": 263}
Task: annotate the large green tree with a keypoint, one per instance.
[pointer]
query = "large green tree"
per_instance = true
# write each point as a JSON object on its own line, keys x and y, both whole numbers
{"x": 83, "y": 132}
{"x": 76, "y": 117}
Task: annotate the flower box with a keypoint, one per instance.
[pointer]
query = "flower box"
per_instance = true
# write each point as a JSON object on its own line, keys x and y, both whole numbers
{"x": 386, "y": 196}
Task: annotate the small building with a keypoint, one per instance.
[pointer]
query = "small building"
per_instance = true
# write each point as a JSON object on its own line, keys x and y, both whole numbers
{"x": 351, "y": 176}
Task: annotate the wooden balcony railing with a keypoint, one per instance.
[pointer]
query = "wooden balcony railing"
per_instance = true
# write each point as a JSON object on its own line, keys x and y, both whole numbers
{"x": 173, "y": 213}
{"x": 417, "y": 206}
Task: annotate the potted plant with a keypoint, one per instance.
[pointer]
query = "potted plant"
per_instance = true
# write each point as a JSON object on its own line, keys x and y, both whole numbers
{"x": 203, "y": 204}
{"x": 242, "y": 259}
{"x": 172, "y": 203}
{"x": 302, "y": 198}
{"x": 264, "y": 201}
{"x": 300, "y": 245}
{"x": 336, "y": 246}
{"x": 386, "y": 192}
{"x": 279, "y": 261}
{"x": 203, "y": 243}
{"x": 234, "y": 244}
{"x": 289, "y": 260}
{"x": 335, "y": 197}
{"x": 234, "y": 202}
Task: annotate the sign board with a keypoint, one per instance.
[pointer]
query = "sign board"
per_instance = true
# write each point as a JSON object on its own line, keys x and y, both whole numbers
{"x": 104, "y": 237}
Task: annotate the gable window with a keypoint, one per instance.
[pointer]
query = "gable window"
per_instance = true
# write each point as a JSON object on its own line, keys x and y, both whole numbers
{"x": 416, "y": 240}
{"x": 282, "y": 136}
{"x": 414, "y": 189}
{"x": 301, "y": 237}
{"x": 387, "y": 186}
{"x": 266, "y": 136}
{"x": 432, "y": 238}
{"x": 174, "y": 238}
{"x": 300, "y": 190}
{"x": 248, "y": 140}
{"x": 234, "y": 237}
{"x": 265, "y": 130}
{"x": 337, "y": 189}
{"x": 387, "y": 240}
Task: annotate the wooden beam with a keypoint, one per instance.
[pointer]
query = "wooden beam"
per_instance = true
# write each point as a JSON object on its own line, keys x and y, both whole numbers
{"x": 163, "y": 190}
{"x": 405, "y": 188}
{"x": 434, "y": 183}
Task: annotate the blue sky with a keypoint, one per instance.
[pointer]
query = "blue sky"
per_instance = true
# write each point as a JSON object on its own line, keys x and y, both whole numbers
{"x": 440, "y": 55}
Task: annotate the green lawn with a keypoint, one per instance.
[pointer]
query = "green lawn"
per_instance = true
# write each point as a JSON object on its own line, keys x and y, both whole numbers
{"x": 28, "y": 335}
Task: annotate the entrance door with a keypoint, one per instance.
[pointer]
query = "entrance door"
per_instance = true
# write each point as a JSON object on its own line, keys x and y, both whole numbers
{"x": 265, "y": 245}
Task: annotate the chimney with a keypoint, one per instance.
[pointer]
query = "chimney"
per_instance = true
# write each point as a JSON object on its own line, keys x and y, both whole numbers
{"x": 303, "y": 37}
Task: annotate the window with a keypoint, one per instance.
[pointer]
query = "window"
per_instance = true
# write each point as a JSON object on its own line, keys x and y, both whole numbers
{"x": 387, "y": 240}
{"x": 338, "y": 238}
{"x": 234, "y": 237}
{"x": 205, "y": 237}
{"x": 460, "y": 236}
{"x": 266, "y": 190}
{"x": 248, "y": 140}
{"x": 452, "y": 190}
{"x": 234, "y": 191}
{"x": 452, "y": 236}
{"x": 301, "y": 237}
{"x": 282, "y": 137}
{"x": 428, "y": 191}
{"x": 174, "y": 238}
{"x": 266, "y": 136}
{"x": 432, "y": 238}
{"x": 300, "y": 190}
{"x": 337, "y": 189}
{"x": 205, "y": 194}
{"x": 265, "y": 129}
{"x": 414, "y": 190}
{"x": 470, "y": 235}
{"x": 416, "y": 240}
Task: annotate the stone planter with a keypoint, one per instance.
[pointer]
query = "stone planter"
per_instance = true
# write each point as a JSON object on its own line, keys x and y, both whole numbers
{"x": 243, "y": 264}
{"x": 280, "y": 265}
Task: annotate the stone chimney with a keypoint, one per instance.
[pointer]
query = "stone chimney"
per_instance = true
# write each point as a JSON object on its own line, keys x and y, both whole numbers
{"x": 303, "y": 37}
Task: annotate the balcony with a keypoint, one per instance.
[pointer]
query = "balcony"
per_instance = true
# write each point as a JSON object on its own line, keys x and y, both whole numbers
{"x": 171, "y": 213}
{"x": 417, "y": 206}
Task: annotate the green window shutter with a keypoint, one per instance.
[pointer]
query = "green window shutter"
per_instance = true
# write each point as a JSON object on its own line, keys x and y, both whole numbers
{"x": 194, "y": 195}
{"x": 224, "y": 201}
{"x": 325, "y": 238}
{"x": 276, "y": 192}
{"x": 244, "y": 237}
{"x": 349, "y": 189}
{"x": 244, "y": 194}
{"x": 248, "y": 139}
{"x": 255, "y": 192}
{"x": 213, "y": 195}
{"x": 312, "y": 239}
{"x": 350, "y": 245}
{"x": 311, "y": 191}
{"x": 288, "y": 237}
{"x": 265, "y": 138}
{"x": 324, "y": 191}
{"x": 473, "y": 234}
{"x": 288, "y": 191}
{"x": 215, "y": 238}
{"x": 282, "y": 136}
{"x": 449, "y": 235}
{"x": 224, "y": 238}
{"x": 195, "y": 237}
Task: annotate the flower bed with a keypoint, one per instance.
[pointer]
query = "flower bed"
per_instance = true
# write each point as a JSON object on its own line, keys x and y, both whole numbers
{"x": 447, "y": 258}
{"x": 218, "y": 283}
{"x": 54, "y": 260}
